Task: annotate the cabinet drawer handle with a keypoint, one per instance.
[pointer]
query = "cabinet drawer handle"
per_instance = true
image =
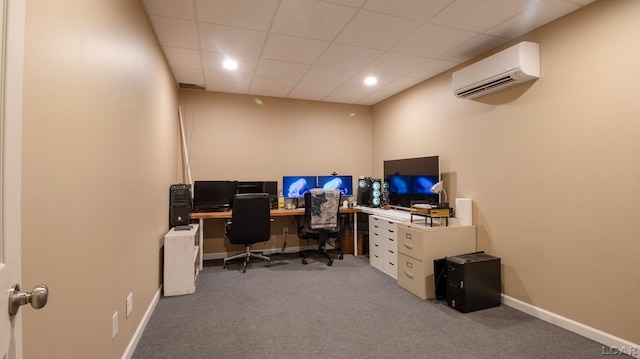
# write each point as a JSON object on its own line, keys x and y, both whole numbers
{"x": 408, "y": 275}
{"x": 408, "y": 246}
{"x": 407, "y": 235}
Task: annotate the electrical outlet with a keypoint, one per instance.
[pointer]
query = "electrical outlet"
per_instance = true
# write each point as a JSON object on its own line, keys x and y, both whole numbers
{"x": 129, "y": 304}
{"x": 114, "y": 325}
{"x": 285, "y": 230}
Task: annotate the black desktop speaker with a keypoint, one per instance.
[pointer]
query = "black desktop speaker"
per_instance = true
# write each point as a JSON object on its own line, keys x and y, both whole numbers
{"x": 179, "y": 205}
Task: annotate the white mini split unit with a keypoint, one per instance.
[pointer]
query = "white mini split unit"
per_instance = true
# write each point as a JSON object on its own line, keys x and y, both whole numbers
{"x": 514, "y": 65}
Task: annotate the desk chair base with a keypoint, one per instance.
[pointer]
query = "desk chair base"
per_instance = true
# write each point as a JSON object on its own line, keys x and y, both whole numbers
{"x": 322, "y": 251}
{"x": 246, "y": 255}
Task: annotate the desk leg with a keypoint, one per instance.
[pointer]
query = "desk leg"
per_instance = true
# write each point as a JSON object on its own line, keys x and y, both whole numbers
{"x": 355, "y": 234}
{"x": 201, "y": 240}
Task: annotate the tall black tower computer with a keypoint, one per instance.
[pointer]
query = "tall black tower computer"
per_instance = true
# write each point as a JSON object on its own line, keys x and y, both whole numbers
{"x": 179, "y": 205}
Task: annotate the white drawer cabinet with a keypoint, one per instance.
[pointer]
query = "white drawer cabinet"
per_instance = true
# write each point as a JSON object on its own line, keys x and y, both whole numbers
{"x": 181, "y": 261}
{"x": 383, "y": 247}
{"x": 419, "y": 245}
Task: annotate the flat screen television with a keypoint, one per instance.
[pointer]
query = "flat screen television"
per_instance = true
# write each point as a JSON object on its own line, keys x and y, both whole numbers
{"x": 213, "y": 196}
{"x": 297, "y": 186}
{"x": 343, "y": 183}
{"x": 410, "y": 180}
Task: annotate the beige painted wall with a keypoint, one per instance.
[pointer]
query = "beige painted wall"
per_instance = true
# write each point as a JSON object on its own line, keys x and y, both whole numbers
{"x": 233, "y": 137}
{"x": 551, "y": 166}
{"x": 100, "y": 143}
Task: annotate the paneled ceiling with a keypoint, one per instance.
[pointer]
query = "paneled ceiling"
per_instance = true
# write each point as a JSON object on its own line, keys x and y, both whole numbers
{"x": 322, "y": 50}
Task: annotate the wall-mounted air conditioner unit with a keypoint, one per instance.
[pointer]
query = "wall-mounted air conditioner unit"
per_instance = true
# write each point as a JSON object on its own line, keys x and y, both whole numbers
{"x": 514, "y": 65}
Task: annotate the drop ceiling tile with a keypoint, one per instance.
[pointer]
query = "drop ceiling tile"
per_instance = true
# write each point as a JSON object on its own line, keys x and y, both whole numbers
{"x": 432, "y": 68}
{"x": 328, "y": 75}
{"x": 188, "y": 76}
{"x": 175, "y": 32}
{"x": 271, "y": 87}
{"x": 227, "y": 82}
{"x": 184, "y": 58}
{"x": 433, "y": 41}
{"x": 311, "y": 91}
{"x": 377, "y": 31}
{"x": 411, "y": 9}
{"x": 541, "y": 13}
{"x": 358, "y": 80}
{"x": 402, "y": 84}
{"x": 281, "y": 70}
{"x": 348, "y": 57}
{"x": 293, "y": 49}
{"x": 352, "y": 3}
{"x": 479, "y": 16}
{"x": 396, "y": 64}
{"x": 250, "y": 14}
{"x": 311, "y": 19}
{"x": 231, "y": 40}
{"x": 474, "y": 47}
{"x": 171, "y": 8}
{"x": 375, "y": 97}
{"x": 349, "y": 94}
{"x": 212, "y": 62}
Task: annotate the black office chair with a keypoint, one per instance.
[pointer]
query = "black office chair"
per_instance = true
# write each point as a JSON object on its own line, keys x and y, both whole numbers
{"x": 321, "y": 221}
{"x": 250, "y": 223}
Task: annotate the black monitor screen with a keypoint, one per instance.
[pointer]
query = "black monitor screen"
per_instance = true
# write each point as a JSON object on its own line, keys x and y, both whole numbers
{"x": 343, "y": 183}
{"x": 270, "y": 187}
{"x": 297, "y": 186}
{"x": 410, "y": 180}
{"x": 210, "y": 196}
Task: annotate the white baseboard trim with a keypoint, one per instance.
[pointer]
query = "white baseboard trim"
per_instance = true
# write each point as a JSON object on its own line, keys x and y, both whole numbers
{"x": 615, "y": 345}
{"x": 128, "y": 353}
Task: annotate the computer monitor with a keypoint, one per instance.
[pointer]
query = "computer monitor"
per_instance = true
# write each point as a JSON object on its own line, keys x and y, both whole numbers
{"x": 270, "y": 187}
{"x": 297, "y": 186}
{"x": 342, "y": 183}
{"x": 213, "y": 196}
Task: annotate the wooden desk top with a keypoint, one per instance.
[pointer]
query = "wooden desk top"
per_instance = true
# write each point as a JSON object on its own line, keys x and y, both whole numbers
{"x": 274, "y": 213}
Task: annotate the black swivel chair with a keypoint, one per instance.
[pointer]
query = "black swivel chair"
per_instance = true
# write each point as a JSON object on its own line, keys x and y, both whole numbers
{"x": 250, "y": 223}
{"x": 321, "y": 221}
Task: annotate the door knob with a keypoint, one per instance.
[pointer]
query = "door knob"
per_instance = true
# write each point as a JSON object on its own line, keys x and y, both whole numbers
{"x": 37, "y": 298}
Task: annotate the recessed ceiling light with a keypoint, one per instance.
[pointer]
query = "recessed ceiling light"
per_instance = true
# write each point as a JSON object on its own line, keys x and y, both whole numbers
{"x": 370, "y": 81}
{"x": 230, "y": 64}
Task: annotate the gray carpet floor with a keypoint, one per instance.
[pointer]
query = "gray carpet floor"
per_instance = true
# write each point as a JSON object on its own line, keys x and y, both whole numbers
{"x": 348, "y": 310}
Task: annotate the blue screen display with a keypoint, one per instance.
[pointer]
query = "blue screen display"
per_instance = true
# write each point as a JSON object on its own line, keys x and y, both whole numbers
{"x": 398, "y": 184}
{"x": 297, "y": 186}
{"x": 422, "y": 184}
{"x": 342, "y": 183}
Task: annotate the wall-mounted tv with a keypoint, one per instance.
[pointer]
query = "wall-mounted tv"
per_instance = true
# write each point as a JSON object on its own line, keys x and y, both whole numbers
{"x": 342, "y": 183}
{"x": 410, "y": 179}
{"x": 297, "y": 186}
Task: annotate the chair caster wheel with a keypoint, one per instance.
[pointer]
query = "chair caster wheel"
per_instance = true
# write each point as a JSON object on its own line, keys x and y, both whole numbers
{"x": 329, "y": 263}
{"x": 304, "y": 261}
{"x": 340, "y": 257}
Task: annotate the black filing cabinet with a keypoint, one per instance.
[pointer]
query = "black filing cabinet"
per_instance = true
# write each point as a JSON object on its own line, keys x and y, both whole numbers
{"x": 473, "y": 282}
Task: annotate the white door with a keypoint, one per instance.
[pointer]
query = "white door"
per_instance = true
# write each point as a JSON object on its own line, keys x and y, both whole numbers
{"x": 12, "y": 21}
